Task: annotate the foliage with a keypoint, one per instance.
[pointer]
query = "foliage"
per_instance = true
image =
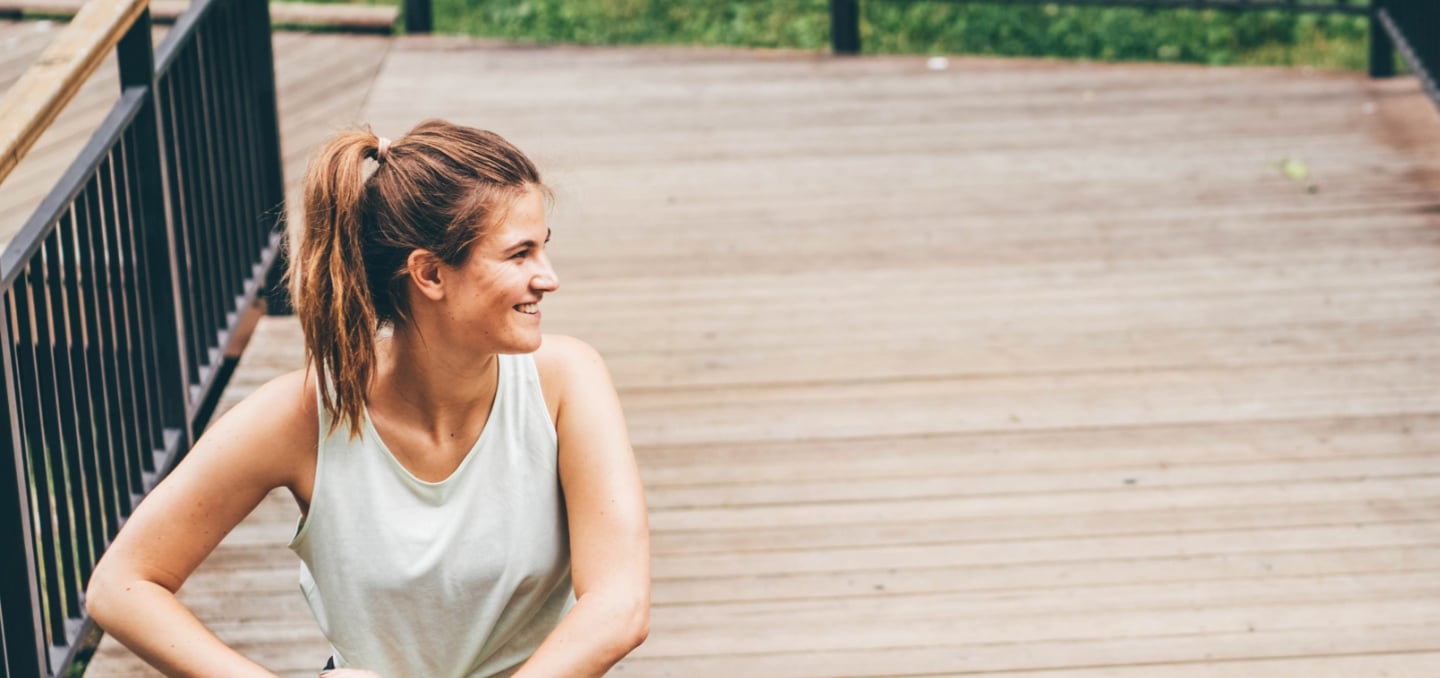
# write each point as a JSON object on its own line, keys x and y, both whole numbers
{"x": 1204, "y": 36}
{"x": 931, "y": 27}
{"x": 802, "y": 24}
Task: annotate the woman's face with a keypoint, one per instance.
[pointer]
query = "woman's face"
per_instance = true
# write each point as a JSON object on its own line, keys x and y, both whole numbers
{"x": 494, "y": 302}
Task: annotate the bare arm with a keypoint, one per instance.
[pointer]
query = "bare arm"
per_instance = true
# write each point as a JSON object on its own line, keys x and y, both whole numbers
{"x": 609, "y": 531}
{"x": 257, "y": 446}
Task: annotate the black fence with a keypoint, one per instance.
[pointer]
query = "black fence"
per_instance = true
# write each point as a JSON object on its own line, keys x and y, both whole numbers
{"x": 1414, "y": 26}
{"x": 117, "y": 300}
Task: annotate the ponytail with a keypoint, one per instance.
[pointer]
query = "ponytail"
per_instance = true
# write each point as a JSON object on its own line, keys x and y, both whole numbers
{"x": 331, "y": 291}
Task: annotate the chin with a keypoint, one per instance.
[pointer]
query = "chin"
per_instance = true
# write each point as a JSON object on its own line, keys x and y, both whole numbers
{"x": 524, "y": 345}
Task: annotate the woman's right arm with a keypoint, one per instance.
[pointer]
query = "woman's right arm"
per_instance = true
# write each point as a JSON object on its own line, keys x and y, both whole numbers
{"x": 266, "y": 441}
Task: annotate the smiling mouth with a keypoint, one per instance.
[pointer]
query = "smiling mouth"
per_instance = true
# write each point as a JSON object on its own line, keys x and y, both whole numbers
{"x": 528, "y": 309}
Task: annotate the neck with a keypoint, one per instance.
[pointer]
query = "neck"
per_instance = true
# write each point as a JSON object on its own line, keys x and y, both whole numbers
{"x": 439, "y": 389}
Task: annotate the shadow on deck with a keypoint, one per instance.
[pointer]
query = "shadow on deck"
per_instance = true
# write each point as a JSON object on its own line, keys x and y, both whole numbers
{"x": 1030, "y": 367}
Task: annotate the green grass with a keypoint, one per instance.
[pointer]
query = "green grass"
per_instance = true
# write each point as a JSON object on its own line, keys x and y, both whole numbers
{"x": 929, "y": 27}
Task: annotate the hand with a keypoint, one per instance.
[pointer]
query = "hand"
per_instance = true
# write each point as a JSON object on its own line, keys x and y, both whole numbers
{"x": 348, "y": 673}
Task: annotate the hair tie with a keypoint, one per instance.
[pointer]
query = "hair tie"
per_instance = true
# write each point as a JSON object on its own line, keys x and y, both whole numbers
{"x": 382, "y": 150}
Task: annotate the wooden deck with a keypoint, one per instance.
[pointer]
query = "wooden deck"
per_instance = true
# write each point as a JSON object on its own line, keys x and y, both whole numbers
{"x": 1016, "y": 367}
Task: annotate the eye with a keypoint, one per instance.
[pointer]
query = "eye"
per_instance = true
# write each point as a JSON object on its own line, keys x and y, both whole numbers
{"x": 521, "y": 254}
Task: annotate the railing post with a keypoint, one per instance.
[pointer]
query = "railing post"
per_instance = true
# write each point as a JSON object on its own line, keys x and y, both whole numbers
{"x": 845, "y": 26}
{"x": 261, "y": 64}
{"x": 137, "y": 69}
{"x": 417, "y": 16}
{"x": 1382, "y": 46}
{"x": 25, "y": 651}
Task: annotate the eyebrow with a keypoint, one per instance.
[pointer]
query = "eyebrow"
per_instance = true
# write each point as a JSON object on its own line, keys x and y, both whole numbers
{"x": 527, "y": 243}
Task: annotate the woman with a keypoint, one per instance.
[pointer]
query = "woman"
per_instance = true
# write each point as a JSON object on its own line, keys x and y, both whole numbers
{"x": 470, "y": 502}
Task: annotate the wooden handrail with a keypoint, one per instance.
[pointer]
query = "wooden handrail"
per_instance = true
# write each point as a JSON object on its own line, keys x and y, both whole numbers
{"x": 37, "y": 98}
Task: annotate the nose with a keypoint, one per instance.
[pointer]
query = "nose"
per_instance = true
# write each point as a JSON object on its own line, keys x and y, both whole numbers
{"x": 545, "y": 279}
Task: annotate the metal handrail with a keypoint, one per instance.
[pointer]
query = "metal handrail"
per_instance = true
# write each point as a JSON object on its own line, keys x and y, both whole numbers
{"x": 1414, "y": 28}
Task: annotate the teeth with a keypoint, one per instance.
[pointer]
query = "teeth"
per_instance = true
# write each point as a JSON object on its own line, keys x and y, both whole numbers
{"x": 528, "y": 308}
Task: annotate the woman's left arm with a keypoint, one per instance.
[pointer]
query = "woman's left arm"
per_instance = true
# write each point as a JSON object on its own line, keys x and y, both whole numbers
{"x": 609, "y": 527}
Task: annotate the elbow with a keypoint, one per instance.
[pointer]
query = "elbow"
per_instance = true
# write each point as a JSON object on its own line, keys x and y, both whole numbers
{"x": 630, "y": 624}
{"x": 98, "y": 594}
{"x": 110, "y": 593}
{"x": 638, "y": 630}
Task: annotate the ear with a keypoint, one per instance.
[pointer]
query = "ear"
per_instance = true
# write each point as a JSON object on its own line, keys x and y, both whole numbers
{"x": 426, "y": 274}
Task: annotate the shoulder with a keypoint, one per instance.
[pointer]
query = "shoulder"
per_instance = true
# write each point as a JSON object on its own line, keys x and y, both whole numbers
{"x": 562, "y": 355}
{"x": 277, "y": 427}
{"x": 585, "y": 408}
{"x": 282, "y": 404}
{"x": 567, "y": 365}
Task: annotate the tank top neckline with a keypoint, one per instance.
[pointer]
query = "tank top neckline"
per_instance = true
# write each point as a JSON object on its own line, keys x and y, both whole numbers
{"x": 474, "y": 451}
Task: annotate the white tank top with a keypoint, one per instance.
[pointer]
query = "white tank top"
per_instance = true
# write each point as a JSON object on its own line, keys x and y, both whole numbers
{"x": 461, "y": 578}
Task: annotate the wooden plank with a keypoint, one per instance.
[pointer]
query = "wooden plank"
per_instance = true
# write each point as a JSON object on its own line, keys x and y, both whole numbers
{"x": 22, "y": 43}
{"x": 36, "y": 99}
{"x": 1110, "y": 658}
{"x": 168, "y": 9}
{"x": 342, "y": 16}
{"x": 950, "y": 547}
{"x": 966, "y": 632}
{"x": 1059, "y": 576}
{"x": 763, "y": 494}
{"x": 57, "y": 147}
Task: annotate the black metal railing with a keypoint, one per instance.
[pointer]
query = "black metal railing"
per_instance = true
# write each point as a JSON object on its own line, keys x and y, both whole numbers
{"x": 418, "y": 16}
{"x": 1414, "y": 28}
{"x": 224, "y": 170}
{"x": 117, "y": 299}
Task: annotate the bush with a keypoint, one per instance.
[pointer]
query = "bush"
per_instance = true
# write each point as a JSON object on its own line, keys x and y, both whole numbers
{"x": 1203, "y": 36}
{"x": 931, "y": 27}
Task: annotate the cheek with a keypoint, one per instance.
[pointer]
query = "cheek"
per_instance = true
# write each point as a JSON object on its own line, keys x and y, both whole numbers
{"x": 494, "y": 278}
{"x": 483, "y": 284}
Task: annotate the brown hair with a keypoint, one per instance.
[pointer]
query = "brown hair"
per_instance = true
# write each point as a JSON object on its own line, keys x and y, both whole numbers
{"x": 438, "y": 188}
